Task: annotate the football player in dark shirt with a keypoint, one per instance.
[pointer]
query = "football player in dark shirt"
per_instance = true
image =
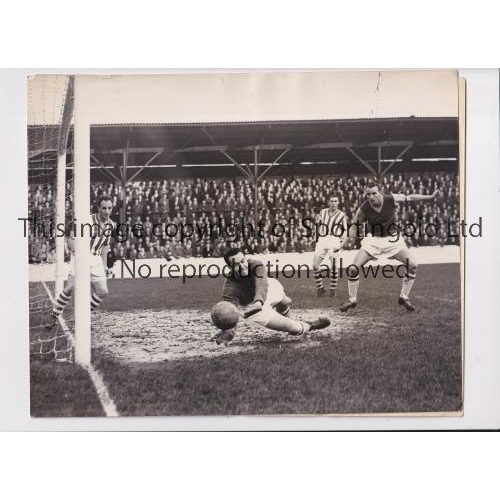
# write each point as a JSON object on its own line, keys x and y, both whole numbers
{"x": 378, "y": 213}
{"x": 261, "y": 299}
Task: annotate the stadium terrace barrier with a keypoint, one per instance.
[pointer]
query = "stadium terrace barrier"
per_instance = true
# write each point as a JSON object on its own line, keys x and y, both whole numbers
{"x": 425, "y": 255}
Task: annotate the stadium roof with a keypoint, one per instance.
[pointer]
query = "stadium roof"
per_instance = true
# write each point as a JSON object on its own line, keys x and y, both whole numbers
{"x": 297, "y": 141}
{"x": 369, "y": 144}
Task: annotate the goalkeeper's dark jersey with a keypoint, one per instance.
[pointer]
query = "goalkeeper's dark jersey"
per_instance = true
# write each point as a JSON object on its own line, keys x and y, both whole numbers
{"x": 243, "y": 290}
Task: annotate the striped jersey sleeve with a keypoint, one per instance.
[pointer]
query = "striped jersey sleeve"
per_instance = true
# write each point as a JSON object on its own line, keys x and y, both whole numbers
{"x": 100, "y": 235}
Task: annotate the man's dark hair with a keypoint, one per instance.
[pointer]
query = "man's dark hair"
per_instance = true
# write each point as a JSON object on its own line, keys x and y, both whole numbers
{"x": 103, "y": 197}
{"x": 371, "y": 184}
{"x": 231, "y": 253}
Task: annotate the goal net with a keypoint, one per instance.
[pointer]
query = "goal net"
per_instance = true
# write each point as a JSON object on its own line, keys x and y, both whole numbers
{"x": 50, "y": 212}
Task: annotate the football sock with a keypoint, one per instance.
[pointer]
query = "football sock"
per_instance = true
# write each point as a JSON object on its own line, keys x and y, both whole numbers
{"x": 318, "y": 279}
{"x": 60, "y": 303}
{"x": 408, "y": 281}
{"x": 334, "y": 278}
{"x": 95, "y": 302}
{"x": 353, "y": 285}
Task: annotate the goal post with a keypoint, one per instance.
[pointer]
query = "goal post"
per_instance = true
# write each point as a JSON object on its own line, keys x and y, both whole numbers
{"x": 82, "y": 237}
{"x": 60, "y": 209}
{"x": 50, "y": 207}
{"x": 59, "y": 197}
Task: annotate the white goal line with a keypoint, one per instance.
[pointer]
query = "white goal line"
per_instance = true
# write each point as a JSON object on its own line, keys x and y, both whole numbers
{"x": 105, "y": 399}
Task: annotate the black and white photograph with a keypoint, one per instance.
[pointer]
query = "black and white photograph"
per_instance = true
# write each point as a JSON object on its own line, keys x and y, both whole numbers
{"x": 246, "y": 243}
{"x": 250, "y": 250}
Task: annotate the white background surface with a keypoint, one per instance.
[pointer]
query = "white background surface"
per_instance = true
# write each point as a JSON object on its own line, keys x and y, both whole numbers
{"x": 263, "y": 34}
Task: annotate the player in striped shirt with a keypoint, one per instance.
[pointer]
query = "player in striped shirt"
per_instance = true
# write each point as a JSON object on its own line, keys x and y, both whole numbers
{"x": 331, "y": 231}
{"x": 101, "y": 228}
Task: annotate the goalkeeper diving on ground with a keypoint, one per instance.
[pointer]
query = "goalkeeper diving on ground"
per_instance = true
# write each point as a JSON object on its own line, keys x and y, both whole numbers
{"x": 260, "y": 299}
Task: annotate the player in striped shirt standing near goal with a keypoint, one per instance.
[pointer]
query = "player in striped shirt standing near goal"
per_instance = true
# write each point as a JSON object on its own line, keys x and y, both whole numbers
{"x": 331, "y": 231}
{"x": 101, "y": 228}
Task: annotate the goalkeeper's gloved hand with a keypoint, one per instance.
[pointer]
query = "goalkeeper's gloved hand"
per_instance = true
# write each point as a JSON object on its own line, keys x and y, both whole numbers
{"x": 225, "y": 336}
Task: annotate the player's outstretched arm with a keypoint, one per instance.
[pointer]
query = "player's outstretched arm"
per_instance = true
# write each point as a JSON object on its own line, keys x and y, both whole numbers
{"x": 417, "y": 197}
{"x": 254, "y": 309}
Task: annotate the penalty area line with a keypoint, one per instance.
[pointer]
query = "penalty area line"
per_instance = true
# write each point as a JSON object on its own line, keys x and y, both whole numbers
{"x": 107, "y": 403}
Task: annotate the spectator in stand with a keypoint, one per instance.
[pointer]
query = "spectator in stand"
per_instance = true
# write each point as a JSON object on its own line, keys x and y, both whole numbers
{"x": 292, "y": 245}
{"x": 261, "y": 246}
{"x": 178, "y": 250}
{"x": 51, "y": 256}
{"x": 197, "y": 251}
{"x": 43, "y": 253}
{"x": 151, "y": 253}
{"x": 281, "y": 246}
{"x": 219, "y": 248}
{"x": 133, "y": 253}
{"x": 169, "y": 256}
{"x": 187, "y": 250}
{"x": 252, "y": 247}
{"x": 207, "y": 250}
{"x": 121, "y": 254}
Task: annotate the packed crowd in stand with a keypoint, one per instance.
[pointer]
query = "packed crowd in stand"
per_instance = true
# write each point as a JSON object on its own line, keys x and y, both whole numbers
{"x": 160, "y": 214}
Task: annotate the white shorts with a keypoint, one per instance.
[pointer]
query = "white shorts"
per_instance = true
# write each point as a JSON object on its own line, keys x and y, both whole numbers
{"x": 97, "y": 271}
{"x": 327, "y": 245}
{"x": 386, "y": 246}
{"x": 275, "y": 294}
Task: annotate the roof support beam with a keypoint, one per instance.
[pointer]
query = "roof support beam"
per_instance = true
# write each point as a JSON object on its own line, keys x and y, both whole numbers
{"x": 365, "y": 163}
{"x": 132, "y": 177}
{"x": 102, "y": 168}
{"x": 273, "y": 164}
{"x": 228, "y": 156}
{"x": 328, "y": 145}
{"x": 443, "y": 142}
{"x": 248, "y": 169}
{"x": 386, "y": 169}
{"x": 300, "y": 151}
{"x": 234, "y": 162}
{"x": 268, "y": 147}
{"x": 385, "y": 144}
{"x": 203, "y": 149}
{"x": 134, "y": 150}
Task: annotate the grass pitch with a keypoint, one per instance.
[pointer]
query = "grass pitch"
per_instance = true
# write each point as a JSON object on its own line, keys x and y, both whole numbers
{"x": 153, "y": 345}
